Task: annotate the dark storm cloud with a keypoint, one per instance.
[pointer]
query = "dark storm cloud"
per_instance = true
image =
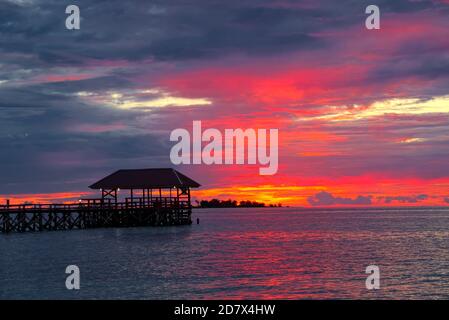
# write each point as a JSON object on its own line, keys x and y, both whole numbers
{"x": 162, "y": 30}
{"x": 429, "y": 66}
{"x": 173, "y": 30}
{"x": 324, "y": 198}
{"x": 95, "y": 84}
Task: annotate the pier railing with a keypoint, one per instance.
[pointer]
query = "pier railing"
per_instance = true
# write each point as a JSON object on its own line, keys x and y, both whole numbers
{"x": 135, "y": 203}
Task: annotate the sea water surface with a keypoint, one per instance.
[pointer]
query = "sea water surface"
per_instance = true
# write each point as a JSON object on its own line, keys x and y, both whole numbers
{"x": 257, "y": 253}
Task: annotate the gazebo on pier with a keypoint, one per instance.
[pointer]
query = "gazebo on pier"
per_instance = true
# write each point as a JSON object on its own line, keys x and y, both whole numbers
{"x": 147, "y": 187}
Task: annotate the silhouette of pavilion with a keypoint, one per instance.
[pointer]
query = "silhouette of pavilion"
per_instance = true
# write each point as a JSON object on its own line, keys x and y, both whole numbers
{"x": 146, "y": 180}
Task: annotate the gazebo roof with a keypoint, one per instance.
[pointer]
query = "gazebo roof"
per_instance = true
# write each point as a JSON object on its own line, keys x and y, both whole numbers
{"x": 145, "y": 179}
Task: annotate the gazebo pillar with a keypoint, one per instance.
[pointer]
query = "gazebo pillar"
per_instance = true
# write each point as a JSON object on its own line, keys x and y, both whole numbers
{"x": 188, "y": 197}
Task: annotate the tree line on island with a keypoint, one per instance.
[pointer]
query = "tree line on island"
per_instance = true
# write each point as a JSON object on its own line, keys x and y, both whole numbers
{"x": 216, "y": 203}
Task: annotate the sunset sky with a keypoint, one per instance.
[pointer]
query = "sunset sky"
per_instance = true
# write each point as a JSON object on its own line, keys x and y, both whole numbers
{"x": 363, "y": 115}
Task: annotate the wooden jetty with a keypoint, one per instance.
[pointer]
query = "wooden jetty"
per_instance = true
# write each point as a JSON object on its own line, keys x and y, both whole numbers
{"x": 157, "y": 197}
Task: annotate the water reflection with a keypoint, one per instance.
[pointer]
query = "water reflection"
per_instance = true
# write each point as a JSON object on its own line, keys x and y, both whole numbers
{"x": 239, "y": 253}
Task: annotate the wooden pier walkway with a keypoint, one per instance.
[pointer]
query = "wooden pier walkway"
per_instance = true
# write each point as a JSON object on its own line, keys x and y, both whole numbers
{"x": 93, "y": 213}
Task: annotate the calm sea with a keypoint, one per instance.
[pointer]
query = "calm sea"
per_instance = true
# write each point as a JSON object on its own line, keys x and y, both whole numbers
{"x": 275, "y": 253}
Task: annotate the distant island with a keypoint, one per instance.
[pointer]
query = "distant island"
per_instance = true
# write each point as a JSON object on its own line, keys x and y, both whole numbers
{"x": 216, "y": 203}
